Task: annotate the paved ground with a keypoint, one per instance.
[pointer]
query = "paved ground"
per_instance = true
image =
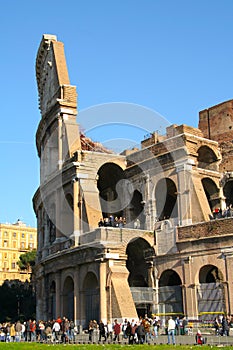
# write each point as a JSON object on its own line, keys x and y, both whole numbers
{"x": 162, "y": 339}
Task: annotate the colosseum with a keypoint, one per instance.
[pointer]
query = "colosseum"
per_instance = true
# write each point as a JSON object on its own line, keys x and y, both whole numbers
{"x": 164, "y": 245}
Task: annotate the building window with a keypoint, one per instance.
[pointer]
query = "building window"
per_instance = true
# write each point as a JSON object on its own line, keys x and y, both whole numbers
{"x": 31, "y": 236}
{"x": 14, "y": 256}
{"x": 5, "y": 234}
{"x": 5, "y": 255}
{"x": 14, "y": 234}
{"x": 22, "y": 245}
{"x": 23, "y": 235}
{"x": 31, "y": 245}
{"x": 13, "y": 265}
{"x": 5, "y": 244}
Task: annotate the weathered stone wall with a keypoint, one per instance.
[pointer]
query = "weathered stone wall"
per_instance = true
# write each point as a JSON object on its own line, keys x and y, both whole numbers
{"x": 210, "y": 229}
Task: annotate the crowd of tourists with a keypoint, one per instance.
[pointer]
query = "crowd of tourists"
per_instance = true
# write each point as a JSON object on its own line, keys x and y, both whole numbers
{"x": 112, "y": 221}
{"x": 135, "y": 331}
{"x": 218, "y": 213}
{"x": 143, "y": 330}
{"x": 59, "y": 330}
{"x": 222, "y": 325}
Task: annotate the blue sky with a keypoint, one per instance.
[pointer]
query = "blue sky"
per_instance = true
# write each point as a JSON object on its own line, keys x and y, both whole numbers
{"x": 172, "y": 56}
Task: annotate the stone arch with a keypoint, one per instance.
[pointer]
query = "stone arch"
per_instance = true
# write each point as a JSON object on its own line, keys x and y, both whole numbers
{"x": 206, "y": 158}
{"x": 166, "y": 199}
{"x": 170, "y": 293}
{"x": 111, "y": 186}
{"x": 52, "y": 300}
{"x": 136, "y": 262}
{"x": 140, "y": 277}
{"x": 51, "y": 222}
{"x": 91, "y": 300}
{"x": 210, "y": 292}
{"x": 68, "y": 298}
{"x": 211, "y": 192}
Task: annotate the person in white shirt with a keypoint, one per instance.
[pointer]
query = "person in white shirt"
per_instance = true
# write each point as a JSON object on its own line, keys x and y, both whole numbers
{"x": 171, "y": 330}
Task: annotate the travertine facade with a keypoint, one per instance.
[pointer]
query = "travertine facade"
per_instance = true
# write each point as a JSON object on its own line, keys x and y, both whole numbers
{"x": 15, "y": 239}
{"x": 178, "y": 261}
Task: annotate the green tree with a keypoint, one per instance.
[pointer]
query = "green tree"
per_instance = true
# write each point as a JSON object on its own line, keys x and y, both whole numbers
{"x": 27, "y": 260}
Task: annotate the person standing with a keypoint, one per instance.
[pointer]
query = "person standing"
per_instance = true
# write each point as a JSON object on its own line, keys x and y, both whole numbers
{"x": 102, "y": 331}
{"x": 117, "y": 330}
{"x": 171, "y": 330}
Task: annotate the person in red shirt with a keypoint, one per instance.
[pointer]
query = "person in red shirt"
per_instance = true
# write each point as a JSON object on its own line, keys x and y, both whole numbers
{"x": 33, "y": 330}
{"x": 117, "y": 330}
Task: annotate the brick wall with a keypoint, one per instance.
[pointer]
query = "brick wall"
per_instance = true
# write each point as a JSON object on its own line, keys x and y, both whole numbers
{"x": 213, "y": 228}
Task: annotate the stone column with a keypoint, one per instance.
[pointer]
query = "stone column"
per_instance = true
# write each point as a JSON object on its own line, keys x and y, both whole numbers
{"x": 76, "y": 191}
{"x": 189, "y": 290}
{"x": 183, "y": 169}
{"x": 60, "y": 142}
{"x": 227, "y": 255}
{"x": 148, "y": 209}
{"x": 103, "y": 295}
{"x": 76, "y": 297}
{"x": 58, "y": 214}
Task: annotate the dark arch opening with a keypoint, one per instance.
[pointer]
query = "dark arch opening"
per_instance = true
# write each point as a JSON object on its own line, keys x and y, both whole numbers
{"x": 136, "y": 262}
{"x": 91, "y": 297}
{"x": 170, "y": 293}
{"x": 210, "y": 274}
{"x": 111, "y": 189}
{"x": 166, "y": 199}
{"x": 68, "y": 298}
{"x": 137, "y": 216}
{"x": 206, "y": 158}
{"x": 211, "y": 295}
{"x": 52, "y": 301}
{"x": 169, "y": 278}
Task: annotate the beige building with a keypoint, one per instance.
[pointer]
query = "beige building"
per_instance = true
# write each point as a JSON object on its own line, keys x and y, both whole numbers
{"x": 174, "y": 253}
{"x": 15, "y": 239}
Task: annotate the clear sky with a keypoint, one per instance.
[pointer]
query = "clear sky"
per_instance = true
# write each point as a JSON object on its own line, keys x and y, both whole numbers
{"x": 171, "y": 56}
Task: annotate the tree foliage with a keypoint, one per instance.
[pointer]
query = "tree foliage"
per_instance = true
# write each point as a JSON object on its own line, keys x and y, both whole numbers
{"x": 27, "y": 260}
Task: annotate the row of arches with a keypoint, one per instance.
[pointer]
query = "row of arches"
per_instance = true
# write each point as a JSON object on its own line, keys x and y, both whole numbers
{"x": 112, "y": 196}
{"x": 166, "y": 290}
{"x": 89, "y": 294}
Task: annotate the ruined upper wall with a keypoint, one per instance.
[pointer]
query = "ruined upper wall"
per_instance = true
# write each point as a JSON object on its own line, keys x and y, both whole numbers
{"x": 52, "y": 76}
{"x": 216, "y": 122}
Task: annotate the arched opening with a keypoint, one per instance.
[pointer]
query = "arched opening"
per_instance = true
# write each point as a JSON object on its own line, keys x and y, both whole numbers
{"x": 138, "y": 250}
{"x": 228, "y": 193}
{"x": 52, "y": 301}
{"x": 111, "y": 189}
{"x": 170, "y": 293}
{"x": 51, "y": 223}
{"x": 211, "y": 192}
{"x": 206, "y": 158}
{"x": 210, "y": 292}
{"x": 91, "y": 297}
{"x": 137, "y": 217}
{"x": 68, "y": 298}
{"x": 166, "y": 199}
